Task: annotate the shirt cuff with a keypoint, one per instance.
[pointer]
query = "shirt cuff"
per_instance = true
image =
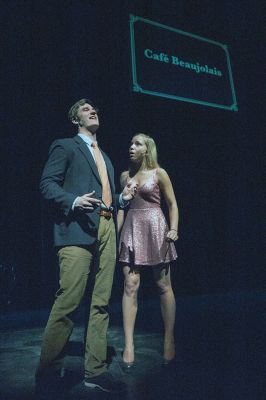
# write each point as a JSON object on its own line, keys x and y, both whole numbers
{"x": 74, "y": 203}
{"x": 122, "y": 203}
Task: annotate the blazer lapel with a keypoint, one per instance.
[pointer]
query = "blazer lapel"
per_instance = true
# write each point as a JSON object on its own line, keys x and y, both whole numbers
{"x": 87, "y": 154}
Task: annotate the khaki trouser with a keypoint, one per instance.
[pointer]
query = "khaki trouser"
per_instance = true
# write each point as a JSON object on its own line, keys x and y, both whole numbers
{"x": 75, "y": 264}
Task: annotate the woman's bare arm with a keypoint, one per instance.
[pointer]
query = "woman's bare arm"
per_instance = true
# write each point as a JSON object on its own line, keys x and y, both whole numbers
{"x": 166, "y": 188}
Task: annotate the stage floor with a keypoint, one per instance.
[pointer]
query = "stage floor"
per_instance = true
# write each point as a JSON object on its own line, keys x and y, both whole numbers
{"x": 221, "y": 352}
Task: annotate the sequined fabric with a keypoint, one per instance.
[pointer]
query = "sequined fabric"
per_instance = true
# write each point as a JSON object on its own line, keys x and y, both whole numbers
{"x": 142, "y": 240}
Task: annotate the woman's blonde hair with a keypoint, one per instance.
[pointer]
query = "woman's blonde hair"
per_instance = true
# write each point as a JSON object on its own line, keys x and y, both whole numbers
{"x": 150, "y": 160}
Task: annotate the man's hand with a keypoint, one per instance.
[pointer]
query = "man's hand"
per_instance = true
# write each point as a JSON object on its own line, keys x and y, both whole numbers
{"x": 129, "y": 190}
{"x": 87, "y": 202}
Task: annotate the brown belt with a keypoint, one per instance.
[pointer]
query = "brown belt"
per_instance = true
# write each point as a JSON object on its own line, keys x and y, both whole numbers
{"x": 105, "y": 213}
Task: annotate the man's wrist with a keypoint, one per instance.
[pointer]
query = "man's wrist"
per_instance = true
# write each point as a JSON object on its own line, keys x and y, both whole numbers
{"x": 122, "y": 203}
{"x": 74, "y": 203}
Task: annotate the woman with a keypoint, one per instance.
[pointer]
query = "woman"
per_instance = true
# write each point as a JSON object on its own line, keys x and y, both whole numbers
{"x": 146, "y": 240}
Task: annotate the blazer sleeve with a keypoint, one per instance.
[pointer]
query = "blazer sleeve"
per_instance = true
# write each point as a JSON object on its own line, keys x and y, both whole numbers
{"x": 53, "y": 176}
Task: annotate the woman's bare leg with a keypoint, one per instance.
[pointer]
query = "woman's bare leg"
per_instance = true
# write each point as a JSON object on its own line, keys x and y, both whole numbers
{"x": 130, "y": 307}
{"x": 162, "y": 278}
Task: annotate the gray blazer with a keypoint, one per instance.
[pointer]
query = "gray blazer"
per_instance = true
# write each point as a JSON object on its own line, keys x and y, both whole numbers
{"x": 70, "y": 171}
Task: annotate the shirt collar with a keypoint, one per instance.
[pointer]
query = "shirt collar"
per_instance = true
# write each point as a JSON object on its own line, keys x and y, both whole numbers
{"x": 86, "y": 139}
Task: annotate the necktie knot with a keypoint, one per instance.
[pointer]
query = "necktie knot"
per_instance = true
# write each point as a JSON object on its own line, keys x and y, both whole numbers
{"x": 94, "y": 145}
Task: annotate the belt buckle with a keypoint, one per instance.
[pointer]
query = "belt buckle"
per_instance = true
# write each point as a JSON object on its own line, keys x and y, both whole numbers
{"x": 105, "y": 213}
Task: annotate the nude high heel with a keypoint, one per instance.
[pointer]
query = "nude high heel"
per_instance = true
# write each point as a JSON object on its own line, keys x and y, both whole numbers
{"x": 128, "y": 365}
{"x": 168, "y": 353}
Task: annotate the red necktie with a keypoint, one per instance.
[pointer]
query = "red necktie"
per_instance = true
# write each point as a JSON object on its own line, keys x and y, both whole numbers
{"x": 100, "y": 163}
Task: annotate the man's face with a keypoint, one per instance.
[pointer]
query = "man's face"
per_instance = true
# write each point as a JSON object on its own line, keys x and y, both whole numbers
{"x": 88, "y": 118}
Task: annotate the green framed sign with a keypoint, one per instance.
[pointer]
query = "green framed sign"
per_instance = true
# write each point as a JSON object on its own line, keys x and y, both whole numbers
{"x": 178, "y": 65}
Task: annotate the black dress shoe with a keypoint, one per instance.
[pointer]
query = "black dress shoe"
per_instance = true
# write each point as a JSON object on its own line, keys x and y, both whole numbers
{"x": 105, "y": 382}
{"x": 49, "y": 385}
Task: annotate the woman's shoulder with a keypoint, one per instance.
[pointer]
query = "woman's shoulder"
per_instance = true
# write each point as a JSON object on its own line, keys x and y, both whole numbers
{"x": 161, "y": 175}
{"x": 160, "y": 172}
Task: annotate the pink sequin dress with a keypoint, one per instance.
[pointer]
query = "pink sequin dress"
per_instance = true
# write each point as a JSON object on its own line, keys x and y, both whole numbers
{"x": 142, "y": 240}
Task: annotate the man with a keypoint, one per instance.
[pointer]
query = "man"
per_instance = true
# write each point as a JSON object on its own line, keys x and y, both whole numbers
{"x": 79, "y": 179}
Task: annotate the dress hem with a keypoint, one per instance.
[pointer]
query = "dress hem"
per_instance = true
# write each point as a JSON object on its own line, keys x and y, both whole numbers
{"x": 148, "y": 264}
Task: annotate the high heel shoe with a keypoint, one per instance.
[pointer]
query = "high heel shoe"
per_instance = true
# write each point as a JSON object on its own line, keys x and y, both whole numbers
{"x": 127, "y": 365}
{"x": 169, "y": 354}
{"x": 168, "y": 365}
{"x": 168, "y": 362}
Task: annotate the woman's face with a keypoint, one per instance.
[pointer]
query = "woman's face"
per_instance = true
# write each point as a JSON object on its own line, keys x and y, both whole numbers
{"x": 138, "y": 149}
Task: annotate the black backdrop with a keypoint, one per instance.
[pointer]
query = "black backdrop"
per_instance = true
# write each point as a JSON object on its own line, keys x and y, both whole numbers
{"x": 58, "y": 52}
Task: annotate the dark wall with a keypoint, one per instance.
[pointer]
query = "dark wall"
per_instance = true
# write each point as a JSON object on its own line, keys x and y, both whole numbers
{"x": 58, "y": 52}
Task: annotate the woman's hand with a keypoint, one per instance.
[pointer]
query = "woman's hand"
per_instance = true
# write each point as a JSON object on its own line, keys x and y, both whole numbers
{"x": 130, "y": 190}
{"x": 172, "y": 235}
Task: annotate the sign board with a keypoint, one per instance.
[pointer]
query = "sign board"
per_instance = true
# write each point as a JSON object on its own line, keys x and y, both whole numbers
{"x": 178, "y": 65}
